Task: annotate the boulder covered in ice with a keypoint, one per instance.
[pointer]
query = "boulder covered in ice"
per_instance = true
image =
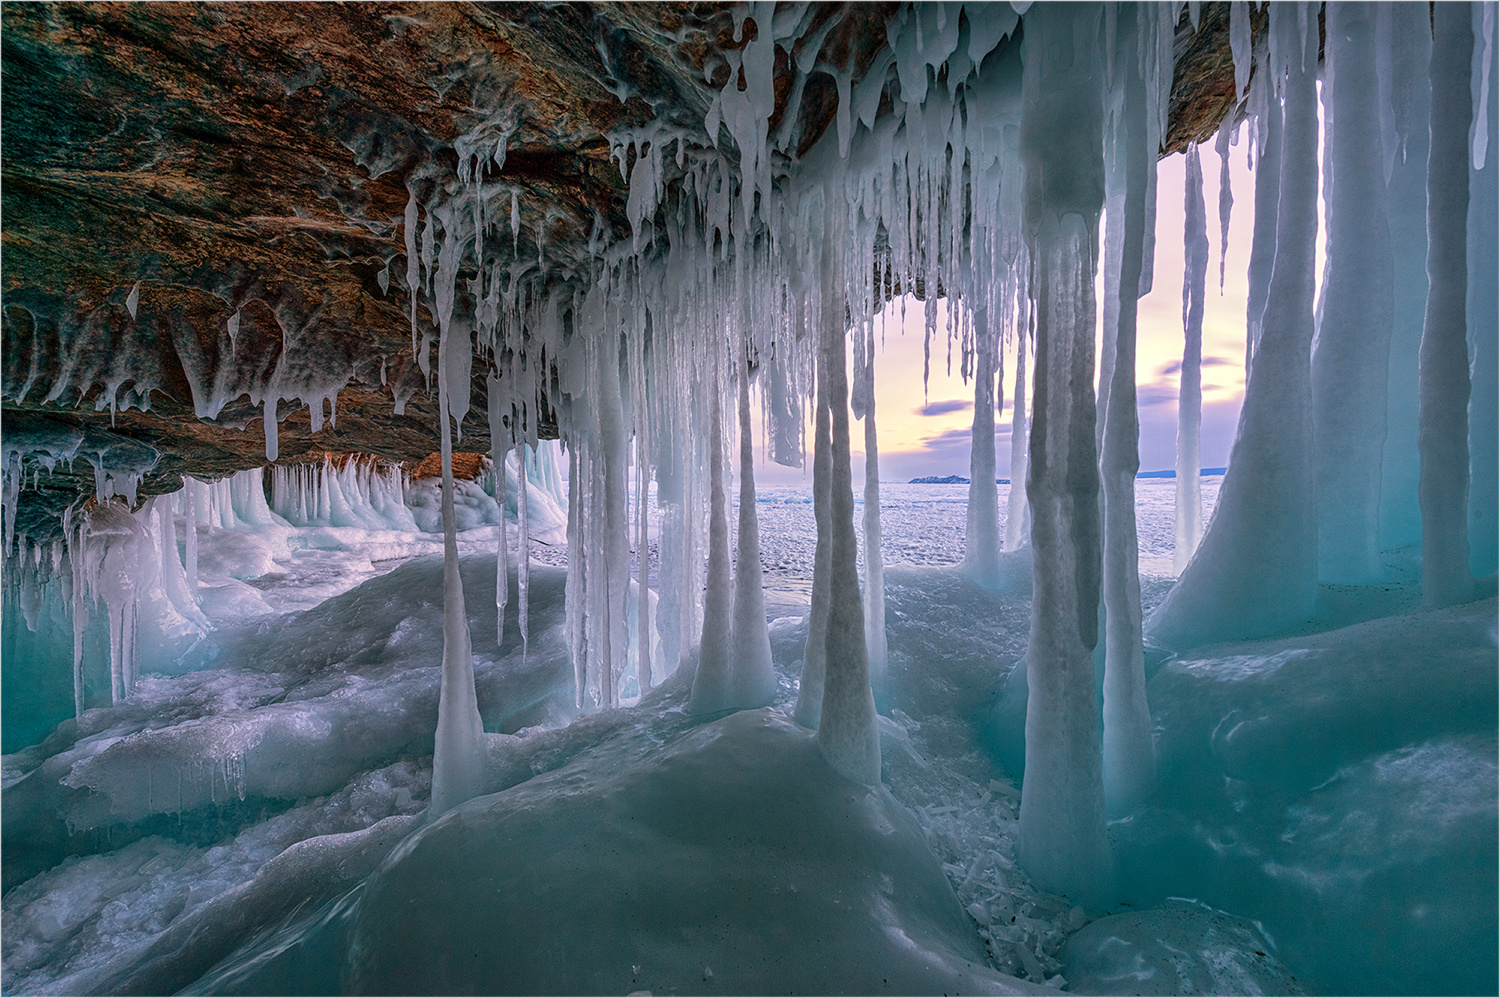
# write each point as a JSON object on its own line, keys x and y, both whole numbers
{"x": 1180, "y": 948}
{"x": 732, "y": 861}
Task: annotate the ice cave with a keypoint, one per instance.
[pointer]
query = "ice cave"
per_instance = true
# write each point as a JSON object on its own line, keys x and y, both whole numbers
{"x": 460, "y": 533}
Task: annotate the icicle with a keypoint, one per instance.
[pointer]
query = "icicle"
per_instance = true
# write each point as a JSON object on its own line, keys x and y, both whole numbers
{"x": 1189, "y": 508}
{"x": 846, "y": 730}
{"x": 523, "y": 554}
{"x": 752, "y": 676}
{"x": 712, "y": 691}
{"x": 499, "y": 448}
{"x": 875, "y": 639}
{"x": 1061, "y": 837}
{"x": 1444, "y": 384}
{"x": 1239, "y": 44}
{"x": 1263, "y": 238}
{"x": 459, "y": 750}
{"x": 1226, "y": 195}
{"x": 1352, "y": 345}
{"x": 1484, "y": 15}
{"x": 643, "y": 624}
{"x": 1018, "y": 510}
{"x": 982, "y": 531}
{"x": 132, "y": 300}
{"x": 809, "y": 710}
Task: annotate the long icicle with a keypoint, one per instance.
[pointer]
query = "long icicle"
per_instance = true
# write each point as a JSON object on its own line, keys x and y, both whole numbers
{"x": 875, "y": 638}
{"x": 1189, "y": 509}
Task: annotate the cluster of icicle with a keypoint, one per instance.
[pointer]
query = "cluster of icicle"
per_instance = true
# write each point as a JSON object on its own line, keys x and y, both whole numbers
{"x": 1362, "y": 428}
{"x": 121, "y": 562}
{"x": 986, "y": 180}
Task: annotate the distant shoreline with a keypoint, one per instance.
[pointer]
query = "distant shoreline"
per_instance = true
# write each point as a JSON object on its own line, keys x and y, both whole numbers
{"x": 961, "y": 480}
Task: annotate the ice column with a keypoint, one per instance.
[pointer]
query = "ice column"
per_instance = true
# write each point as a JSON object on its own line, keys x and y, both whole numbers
{"x": 1018, "y": 510}
{"x": 1255, "y": 573}
{"x": 499, "y": 447}
{"x": 1484, "y": 297}
{"x": 982, "y": 530}
{"x": 712, "y": 689}
{"x": 1129, "y": 761}
{"x": 809, "y": 710}
{"x": 1443, "y": 420}
{"x": 1189, "y": 522}
{"x": 875, "y": 642}
{"x": 846, "y": 731}
{"x": 1061, "y": 839}
{"x": 523, "y": 542}
{"x": 1351, "y": 348}
{"x": 458, "y": 753}
{"x": 752, "y": 677}
{"x": 1404, "y": 31}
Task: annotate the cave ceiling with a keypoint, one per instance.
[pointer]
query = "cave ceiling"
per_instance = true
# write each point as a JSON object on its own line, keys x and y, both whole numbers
{"x": 169, "y": 167}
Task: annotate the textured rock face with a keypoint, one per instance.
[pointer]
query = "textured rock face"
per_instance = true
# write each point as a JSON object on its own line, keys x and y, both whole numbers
{"x": 205, "y": 203}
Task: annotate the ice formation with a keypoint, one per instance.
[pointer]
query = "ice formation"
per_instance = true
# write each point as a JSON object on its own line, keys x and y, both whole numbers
{"x": 977, "y": 157}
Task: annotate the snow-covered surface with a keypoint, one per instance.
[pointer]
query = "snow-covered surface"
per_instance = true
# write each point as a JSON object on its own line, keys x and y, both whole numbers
{"x": 1340, "y": 786}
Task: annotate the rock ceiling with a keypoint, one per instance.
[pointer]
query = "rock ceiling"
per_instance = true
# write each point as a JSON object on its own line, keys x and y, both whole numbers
{"x": 168, "y": 167}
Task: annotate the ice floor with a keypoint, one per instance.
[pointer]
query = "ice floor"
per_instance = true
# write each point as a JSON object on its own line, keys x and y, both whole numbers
{"x": 1325, "y": 822}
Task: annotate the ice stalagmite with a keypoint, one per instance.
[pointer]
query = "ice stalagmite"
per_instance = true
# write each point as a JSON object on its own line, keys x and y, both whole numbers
{"x": 1061, "y": 840}
{"x": 712, "y": 689}
{"x": 1443, "y": 419}
{"x": 1018, "y": 511}
{"x": 1483, "y": 305}
{"x": 458, "y": 753}
{"x": 1404, "y": 32}
{"x": 752, "y": 680}
{"x": 499, "y": 448}
{"x": 1190, "y": 390}
{"x": 810, "y": 690}
{"x": 875, "y": 642}
{"x": 1129, "y": 762}
{"x": 846, "y": 730}
{"x": 1350, "y": 350}
{"x": 1255, "y": 573}
{"x": 982, "y": 531}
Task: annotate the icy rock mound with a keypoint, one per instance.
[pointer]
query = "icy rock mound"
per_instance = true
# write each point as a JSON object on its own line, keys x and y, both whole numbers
{"x": 1181, "y": 948}
{"x": 1339, "y": 788}
{"x": 734, "y": 861}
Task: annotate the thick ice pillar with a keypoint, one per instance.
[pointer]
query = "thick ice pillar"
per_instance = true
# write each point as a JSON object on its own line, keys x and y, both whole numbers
{"x": 711, "y": 683}
{"x": 1484, "y": 298}
{"x": 1405, "y": 30}
{"x": 752, "y": 677}
{"x": 1255, "y": 573}
{"x": 1129, "y": 756}
{"x": 1443, "y": 386}
{"x": 846, "y": 731}
{"x": 1061, "y": 841}
{"x": 982, "y": 531}
{"x": 810, "y": 690}
{"x": 1351, "y": 349}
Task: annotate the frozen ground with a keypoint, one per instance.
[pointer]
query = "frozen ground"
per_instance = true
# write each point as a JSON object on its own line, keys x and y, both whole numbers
{"x": 1329, "y": 801}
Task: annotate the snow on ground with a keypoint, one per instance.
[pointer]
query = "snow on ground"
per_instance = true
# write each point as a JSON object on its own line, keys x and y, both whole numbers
{"x": 1335, "y": 793}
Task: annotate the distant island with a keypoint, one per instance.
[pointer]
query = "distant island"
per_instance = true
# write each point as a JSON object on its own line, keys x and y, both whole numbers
{"x": 961, "y": 480}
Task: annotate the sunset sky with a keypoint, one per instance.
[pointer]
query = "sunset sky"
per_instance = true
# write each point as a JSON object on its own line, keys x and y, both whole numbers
{"x": 934, "y": 440}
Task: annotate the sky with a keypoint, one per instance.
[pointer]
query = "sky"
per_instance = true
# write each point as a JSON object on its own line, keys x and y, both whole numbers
{"x": 928, "y": 434}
